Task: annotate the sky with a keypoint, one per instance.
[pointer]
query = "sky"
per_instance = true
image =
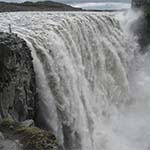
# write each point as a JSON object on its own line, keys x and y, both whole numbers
{"x": 90, "y": 4}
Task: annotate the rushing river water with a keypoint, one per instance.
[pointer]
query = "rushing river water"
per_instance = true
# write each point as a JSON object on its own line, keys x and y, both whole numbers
{"x": 92, "y": 81}
{"x": 102, "y": 5}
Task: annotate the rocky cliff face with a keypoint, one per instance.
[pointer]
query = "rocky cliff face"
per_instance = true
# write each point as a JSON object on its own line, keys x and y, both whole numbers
{"x": 17, "y": 79}
{"x": 18, "y": 99}
{"x": 141, "y": 28}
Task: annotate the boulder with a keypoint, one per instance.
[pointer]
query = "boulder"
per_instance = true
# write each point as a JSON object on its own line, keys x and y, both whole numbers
{"x": 27, "y": 123}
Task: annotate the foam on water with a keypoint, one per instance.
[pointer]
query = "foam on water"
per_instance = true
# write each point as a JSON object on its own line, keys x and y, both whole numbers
{"x": 102, "y": 5}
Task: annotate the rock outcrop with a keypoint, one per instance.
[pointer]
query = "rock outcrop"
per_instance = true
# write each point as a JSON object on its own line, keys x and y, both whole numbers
{"x": 17, "y": 79}
{"x": 16, "y": 136}
{"x": 141, "y": 29}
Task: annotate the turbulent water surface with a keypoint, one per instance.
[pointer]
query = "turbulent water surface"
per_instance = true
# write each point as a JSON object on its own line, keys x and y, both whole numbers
{"x": 102, "y": 5}
{"x": 92, "y": 81}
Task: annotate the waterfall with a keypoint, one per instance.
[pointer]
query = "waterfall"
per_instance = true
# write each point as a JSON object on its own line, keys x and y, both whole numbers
{"x": 82, "y": 63}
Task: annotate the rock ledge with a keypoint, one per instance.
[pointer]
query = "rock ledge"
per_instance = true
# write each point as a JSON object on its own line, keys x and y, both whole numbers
{"x": 17, "y": 79}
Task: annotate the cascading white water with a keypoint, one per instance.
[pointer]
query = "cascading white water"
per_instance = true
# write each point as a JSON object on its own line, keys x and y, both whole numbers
{"x": 82, "y": 63}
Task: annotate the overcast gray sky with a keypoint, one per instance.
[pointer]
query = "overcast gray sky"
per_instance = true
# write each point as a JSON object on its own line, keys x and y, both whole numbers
{"x": 70, "y": 1}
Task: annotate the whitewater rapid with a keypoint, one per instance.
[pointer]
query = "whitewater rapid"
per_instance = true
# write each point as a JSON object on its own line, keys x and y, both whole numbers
{"x": 88, "y": 79}
{"x": 102, "y": 5}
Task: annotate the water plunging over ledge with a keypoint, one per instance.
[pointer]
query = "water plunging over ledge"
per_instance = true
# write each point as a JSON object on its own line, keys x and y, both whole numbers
{"x": 93, "y": 95}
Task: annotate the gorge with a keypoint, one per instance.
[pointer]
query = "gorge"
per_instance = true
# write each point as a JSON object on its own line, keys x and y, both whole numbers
{"x": 92, "y": 81}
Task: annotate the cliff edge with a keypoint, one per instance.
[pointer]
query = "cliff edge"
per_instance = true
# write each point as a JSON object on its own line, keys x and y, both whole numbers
{"x": 18, "y": 99}
{"x": 17, "y": 79}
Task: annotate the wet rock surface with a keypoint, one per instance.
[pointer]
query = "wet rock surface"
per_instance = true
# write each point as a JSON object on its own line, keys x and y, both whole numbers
{"x": 17, "y": 79}
{"x": 27, "y": 123}
{"x": 15, "y": 136}
{"x": 7, "y": 144}
{"x": 141, "y": 29}
{"x": 10, "y": 145}
{"x": 18, "y": 99}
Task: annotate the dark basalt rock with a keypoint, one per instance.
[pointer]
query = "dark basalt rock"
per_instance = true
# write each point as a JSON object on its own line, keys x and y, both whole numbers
{"x": 141, "y": 28}
{"x": 17, "y": 79}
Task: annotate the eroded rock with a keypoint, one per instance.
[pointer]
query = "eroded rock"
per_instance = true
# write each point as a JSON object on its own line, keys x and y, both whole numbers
{"x": 17, "y": 79}
{"x": 27, "y": 123}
